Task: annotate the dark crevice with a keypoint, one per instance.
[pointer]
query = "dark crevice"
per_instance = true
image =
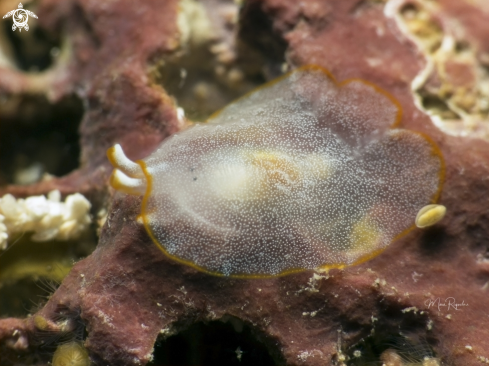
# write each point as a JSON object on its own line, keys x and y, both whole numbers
{"x": 45, "y": 343}
{"x": 397, "y": 335}
{"x": 31, "y": 271}
{"x": 434, "y": 242}
{"x": 409, "y": 10}
{"x": 37, "y": 137}
{"x": 81, "y": 22}
{"x": 257, "y": 37}
{"x": 437, "y": 105}
{"x": 205, "y": 76}
{"x": 33, "y": 50}
{"x": 213, "y": 344}
{"x": 383, "y": 347}
{"x": 19, "y": 297}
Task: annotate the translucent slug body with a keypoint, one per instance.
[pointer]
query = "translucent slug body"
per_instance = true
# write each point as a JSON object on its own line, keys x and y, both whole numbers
{"x": 301, "y": 173}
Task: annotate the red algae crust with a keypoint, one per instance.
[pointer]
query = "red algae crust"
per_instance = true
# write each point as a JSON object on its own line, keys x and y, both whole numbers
{"x": 129, "y": 295}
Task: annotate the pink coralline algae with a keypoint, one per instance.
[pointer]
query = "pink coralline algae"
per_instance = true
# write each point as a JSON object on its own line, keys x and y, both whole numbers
{"x": 133, "y": 65}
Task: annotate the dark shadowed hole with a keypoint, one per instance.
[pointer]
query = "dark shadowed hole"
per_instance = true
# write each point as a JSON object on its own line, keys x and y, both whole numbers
{"x": 396, "y": 333}
{"x": 203, "y": 77}
{"x": 37, "y": 137}
{"x": 409, "y": 10}
{"x": 258, "y": 39}
{"x": 19, "y": 297}
{"x": 33, "y": 50}
{"x": 213, "y": 344}
{"x": 434, "y": 242}
{"x": 44, "y": 343}
{"x": 378, "y": 348}
{"x": 462, "y": 46}
{"x": 437, "y": 105}
{"x": 9, "y": 356}
{"x": 31, "y": 271}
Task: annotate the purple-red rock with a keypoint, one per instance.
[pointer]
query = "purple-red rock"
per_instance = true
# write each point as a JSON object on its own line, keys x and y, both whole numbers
{"x": 129, "y": 294}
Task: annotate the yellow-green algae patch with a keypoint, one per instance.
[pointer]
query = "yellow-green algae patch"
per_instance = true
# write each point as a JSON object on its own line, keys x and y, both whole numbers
{"x": 30, "y": 271}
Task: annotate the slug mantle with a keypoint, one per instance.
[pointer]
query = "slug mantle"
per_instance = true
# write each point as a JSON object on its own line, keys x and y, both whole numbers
{"x": 302, "y": 173}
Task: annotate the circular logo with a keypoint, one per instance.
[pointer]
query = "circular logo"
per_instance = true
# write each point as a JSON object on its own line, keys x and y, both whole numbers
{"x": 20, "y": 18}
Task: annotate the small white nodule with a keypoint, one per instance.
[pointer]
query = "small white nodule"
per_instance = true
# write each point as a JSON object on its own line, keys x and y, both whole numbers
{"x": 429, "y": 215}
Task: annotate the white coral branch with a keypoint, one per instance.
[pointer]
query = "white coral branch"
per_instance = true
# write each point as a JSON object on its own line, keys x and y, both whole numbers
{"x": 48, "y": 218}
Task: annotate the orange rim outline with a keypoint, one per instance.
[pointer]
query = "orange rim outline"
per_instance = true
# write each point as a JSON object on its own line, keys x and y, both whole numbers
{"x": 435, "y": 151}
{"x": 329, "y": 76}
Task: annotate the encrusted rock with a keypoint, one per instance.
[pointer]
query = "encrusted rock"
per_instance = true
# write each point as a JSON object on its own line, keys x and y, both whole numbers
{"x": 432, "y": 284}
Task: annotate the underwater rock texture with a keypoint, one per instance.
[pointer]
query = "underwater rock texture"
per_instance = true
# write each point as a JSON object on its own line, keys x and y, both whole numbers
{"x": 128, "y": 294}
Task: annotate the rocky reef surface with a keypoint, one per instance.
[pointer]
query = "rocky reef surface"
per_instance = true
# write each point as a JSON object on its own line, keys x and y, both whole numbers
{"x": 127, "y": 69}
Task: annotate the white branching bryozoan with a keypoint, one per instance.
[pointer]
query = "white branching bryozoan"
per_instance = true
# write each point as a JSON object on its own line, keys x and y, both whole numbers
{"x": 47, "y": 217}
